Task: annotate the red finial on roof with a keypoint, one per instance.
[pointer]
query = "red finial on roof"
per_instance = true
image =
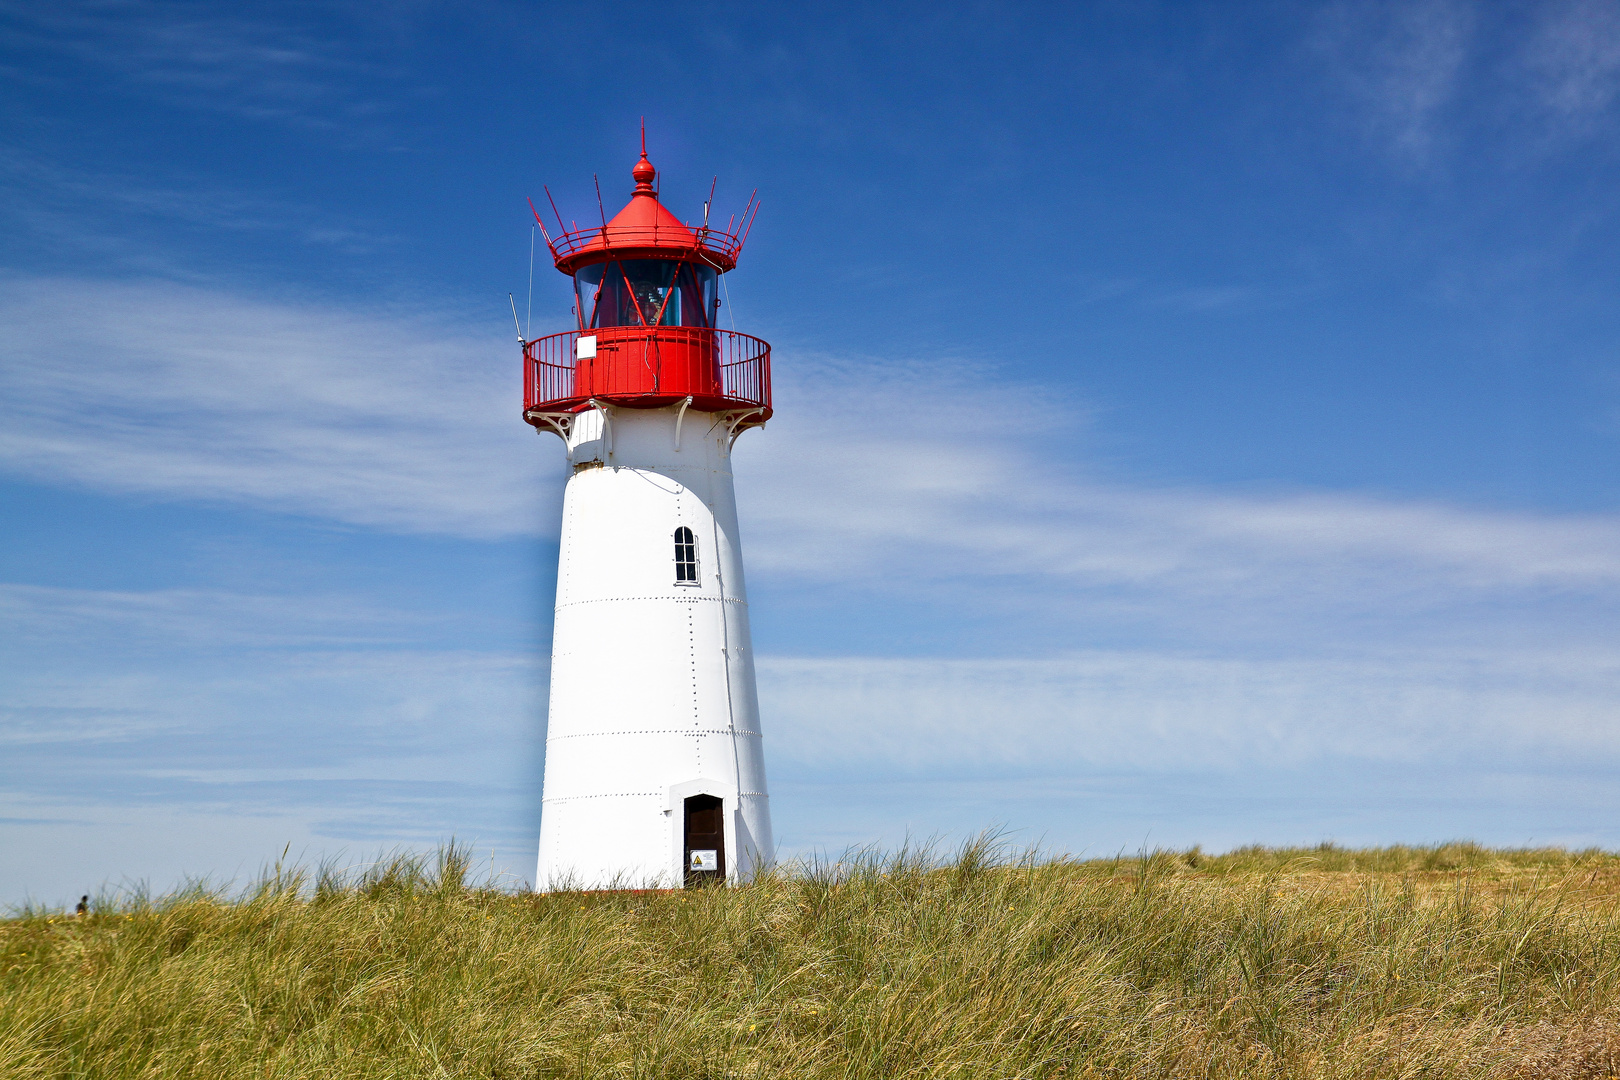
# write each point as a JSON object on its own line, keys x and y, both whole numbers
{"x": 644, "y": 174}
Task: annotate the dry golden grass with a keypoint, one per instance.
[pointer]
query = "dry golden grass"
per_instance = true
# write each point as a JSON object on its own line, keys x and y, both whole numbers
{"x": 1400, "y": 962}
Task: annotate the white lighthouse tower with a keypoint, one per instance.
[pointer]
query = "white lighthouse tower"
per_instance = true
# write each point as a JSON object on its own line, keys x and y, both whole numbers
{"x": 655, "y": 774}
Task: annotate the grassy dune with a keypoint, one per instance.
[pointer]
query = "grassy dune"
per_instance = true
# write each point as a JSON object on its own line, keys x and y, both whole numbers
{"x": 1399, "y": 962}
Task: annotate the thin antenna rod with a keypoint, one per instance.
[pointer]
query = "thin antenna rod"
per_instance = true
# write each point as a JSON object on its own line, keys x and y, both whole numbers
{"x": 708, "y": 203}
{"x": 528, "y": 314}
{"x": 750, "y": 228}
{"x": 515, "y": 324}
{"x": 543, "y": 232}
{"x": 643, "y": 136}
{"x": 729, "y": 309}
{"x": 599, "y": 209}
{"x": 553, "y": 202}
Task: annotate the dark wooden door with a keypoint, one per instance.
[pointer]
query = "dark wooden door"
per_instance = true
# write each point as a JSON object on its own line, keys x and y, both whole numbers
{"x": 705, "y": 850}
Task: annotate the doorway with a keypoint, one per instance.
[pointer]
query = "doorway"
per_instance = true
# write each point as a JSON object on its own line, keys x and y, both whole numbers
{"x": 704, "y": 851}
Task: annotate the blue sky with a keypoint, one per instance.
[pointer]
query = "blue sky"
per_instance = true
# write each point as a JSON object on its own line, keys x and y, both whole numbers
{"x": 1197, "y": 423}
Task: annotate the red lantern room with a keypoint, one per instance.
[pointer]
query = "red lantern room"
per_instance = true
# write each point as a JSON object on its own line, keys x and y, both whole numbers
{"x": 647, "y": 297}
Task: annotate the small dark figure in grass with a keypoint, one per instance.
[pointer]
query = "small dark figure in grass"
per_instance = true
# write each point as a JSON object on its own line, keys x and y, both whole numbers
{"x": 84, "y": 907}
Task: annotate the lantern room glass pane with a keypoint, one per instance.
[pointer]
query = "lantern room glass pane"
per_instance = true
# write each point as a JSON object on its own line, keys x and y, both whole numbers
{"x": 638, "y": 292}
{"x": 709, "y": 281}
{"x": 587, "y": 286}
{"x": 612, "y": 306}
{"x": 698, "y": 294}
{"x": 649, "y": 281}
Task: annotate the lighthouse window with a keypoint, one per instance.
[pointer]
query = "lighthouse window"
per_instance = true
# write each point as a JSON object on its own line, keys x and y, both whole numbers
{"x": 649, "y": 281}
{"x": 708, "y": 280}
{"x": 645, "y": 292}
{"x": 685, "y": 557}
{"x": 588, "y": 284}
{"x": 697, "y": 292}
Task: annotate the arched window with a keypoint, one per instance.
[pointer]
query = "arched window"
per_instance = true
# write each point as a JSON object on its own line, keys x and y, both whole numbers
{"x": 685, "y": 557}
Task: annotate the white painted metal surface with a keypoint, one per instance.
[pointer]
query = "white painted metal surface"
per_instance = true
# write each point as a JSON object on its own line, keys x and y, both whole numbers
{"x": 652, "y": 682}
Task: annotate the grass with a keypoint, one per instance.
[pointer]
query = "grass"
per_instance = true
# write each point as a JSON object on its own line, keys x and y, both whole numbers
{"x": 1324, "y": 962}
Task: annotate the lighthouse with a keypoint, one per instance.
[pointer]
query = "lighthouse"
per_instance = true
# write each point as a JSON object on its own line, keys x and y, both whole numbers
{"x": 654, "y": 772}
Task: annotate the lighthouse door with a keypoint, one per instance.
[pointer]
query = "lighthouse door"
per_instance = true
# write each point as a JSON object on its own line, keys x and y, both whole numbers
{"x": 705, "y": 845}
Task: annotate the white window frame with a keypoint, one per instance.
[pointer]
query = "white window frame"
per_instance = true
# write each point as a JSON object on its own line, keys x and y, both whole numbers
{"x": 693, "y": 562}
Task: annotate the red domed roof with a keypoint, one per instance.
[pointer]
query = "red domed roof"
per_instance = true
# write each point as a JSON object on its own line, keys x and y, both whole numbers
{"x": 644, "y": 229}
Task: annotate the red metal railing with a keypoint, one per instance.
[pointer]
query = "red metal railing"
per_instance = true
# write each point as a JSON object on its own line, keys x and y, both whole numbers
{"x": 719, "y": 242}
{"x": 648, "y": 366}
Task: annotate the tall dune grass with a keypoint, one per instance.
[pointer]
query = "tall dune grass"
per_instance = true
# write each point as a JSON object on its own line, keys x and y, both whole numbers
{"x": 1450, "y": 961}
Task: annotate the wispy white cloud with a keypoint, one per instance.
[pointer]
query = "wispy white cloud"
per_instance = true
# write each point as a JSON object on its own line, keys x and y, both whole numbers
{"x": 1282, "y": 629}
{"x": 315, "y": 718}
{"x": 1574, "y": 58}
{"x": 1425, "y": 76}
{"x": 201, "y": 619}
{"x": 232, "y": 722}
{"x": 1158, "y": 712}
{"x": 847, "y": 489}
{"x": 392, "y": 419}
{"x": 374, "y": 714}
{"x": 1403, "y": 62}
{"x": 248, "y": 63}
{"x": 107, "y": 666}
{"x": 407, "y": 421}
{"x": 342, "y": 743}
{"x": 100, "y": 215}
{"x": 1200, "y": 299}
{"x": 193, "y": 676}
